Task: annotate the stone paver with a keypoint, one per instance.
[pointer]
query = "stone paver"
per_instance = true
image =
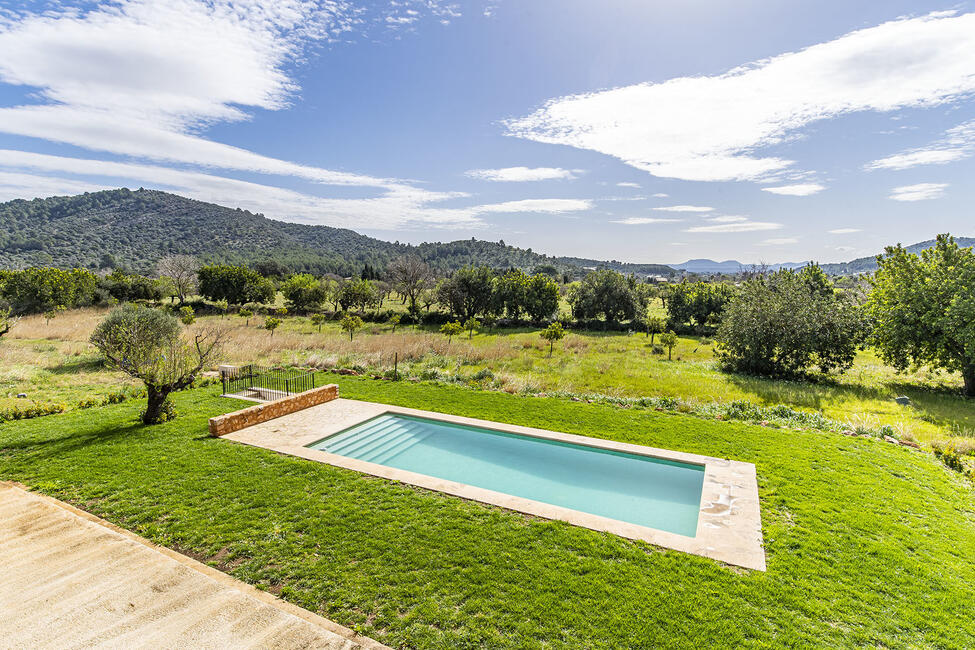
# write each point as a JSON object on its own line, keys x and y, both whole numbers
{"x": 71, "y": 580}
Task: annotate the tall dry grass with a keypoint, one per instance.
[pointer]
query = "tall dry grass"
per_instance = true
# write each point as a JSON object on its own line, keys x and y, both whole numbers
{"x": 74, "y": 325}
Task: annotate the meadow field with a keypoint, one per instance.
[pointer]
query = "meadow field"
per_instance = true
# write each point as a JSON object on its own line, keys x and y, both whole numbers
{"x": 52, "y": 363}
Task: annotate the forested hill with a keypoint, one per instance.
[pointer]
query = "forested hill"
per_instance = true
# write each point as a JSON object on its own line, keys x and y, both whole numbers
{"x": 134, "y": 228}
{"x": 869, "y": 264}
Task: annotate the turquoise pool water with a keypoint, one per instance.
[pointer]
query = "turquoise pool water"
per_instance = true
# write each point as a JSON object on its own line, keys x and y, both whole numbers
{"x": 651, "y": 492}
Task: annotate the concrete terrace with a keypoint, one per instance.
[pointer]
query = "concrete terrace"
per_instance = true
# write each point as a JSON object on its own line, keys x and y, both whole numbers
{"x": 71, "y": 580}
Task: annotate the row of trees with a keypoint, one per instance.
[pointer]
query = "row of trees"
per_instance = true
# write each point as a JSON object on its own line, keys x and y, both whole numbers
{"x": 920, "y": 311}
{"x": 470, "y": 292}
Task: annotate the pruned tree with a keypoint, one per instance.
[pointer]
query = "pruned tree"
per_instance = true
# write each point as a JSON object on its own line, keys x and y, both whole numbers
{"x": 52, "y": 313}
{"x": 181, "y": 270}
{"x": 410, "y": 275}
{"x": 149, "y": 344}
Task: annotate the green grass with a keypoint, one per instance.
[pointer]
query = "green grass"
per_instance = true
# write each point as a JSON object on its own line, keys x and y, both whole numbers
{"x": 54, "y": 363}
{"x": 868, "y": 544}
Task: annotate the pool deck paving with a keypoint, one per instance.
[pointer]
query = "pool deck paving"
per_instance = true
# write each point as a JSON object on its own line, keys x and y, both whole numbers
{"x": 71, "y": 580}
{"x": 729, "y": 524}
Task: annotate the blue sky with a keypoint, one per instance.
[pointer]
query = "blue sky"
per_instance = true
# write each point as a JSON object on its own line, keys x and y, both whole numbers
{"x": 631, "y": 130}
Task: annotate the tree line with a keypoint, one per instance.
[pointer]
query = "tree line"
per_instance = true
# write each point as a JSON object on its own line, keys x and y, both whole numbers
{"x": 916, "y": 310}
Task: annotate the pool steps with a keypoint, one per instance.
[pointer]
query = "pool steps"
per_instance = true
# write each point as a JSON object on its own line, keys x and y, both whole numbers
{"x": 382, "y": 443}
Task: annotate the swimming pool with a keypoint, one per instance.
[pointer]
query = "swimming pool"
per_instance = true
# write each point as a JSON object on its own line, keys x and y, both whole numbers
{"x": 642, "y": 490}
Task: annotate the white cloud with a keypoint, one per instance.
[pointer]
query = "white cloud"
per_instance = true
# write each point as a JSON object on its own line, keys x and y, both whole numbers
{"x": 143, "y": 78}
{"x": 661, "y": 195}
{"x": 728, "y": 218}
{"x": 634, "y": 185}
{"x": 639, "y": 221}
{"x": 845, "y": 231}
{"x": 523, "y": 174}
{"x": 800, "y": 189}
{"x": 712, "y": 128}
{"x": 734, "y": 224}
{"x": 779, "y": 241}
{"x": 918, "y": 192}
{"x": 388, "y": 209}
{"x": 845, "y": 249}
{"x": 957, "y": 143}
{"x": 550, "y": 206}
{"x": 684, "y": 208}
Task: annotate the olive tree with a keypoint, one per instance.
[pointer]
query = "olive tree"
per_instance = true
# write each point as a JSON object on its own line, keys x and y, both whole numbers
{"x": 149, "y": 344}
{"x": 923, "y": 309}
{"x": 467, "y": 293}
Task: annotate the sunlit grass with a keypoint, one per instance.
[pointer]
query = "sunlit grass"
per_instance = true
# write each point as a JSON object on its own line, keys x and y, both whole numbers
{"x": 53, "y": 362}
{"x": 868, "y": 544}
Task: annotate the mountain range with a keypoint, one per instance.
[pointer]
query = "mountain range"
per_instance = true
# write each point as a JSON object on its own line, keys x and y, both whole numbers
{"x": 133, "y": 229}
{"x": 859, "y": 265}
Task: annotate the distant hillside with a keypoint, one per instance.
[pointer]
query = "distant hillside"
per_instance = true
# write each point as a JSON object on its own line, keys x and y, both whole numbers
{"x": 134, "y": 229}
{"x": 869, "y": 264}
{"x": 706, "y": 266}
{"x": 861, "y": 265}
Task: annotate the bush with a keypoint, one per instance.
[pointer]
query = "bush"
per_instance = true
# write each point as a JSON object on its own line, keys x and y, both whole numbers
{"x": 30, "y": 412}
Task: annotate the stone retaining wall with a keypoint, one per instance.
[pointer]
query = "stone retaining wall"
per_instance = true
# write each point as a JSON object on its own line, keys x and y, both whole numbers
{"x": 230, "y": 422}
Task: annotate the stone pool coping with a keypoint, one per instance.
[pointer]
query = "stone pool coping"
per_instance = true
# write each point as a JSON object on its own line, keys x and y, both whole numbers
{"x": 729, "y": 527}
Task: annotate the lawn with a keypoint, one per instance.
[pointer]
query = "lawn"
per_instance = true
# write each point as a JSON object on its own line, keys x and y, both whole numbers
{"x": 869, "y": 544}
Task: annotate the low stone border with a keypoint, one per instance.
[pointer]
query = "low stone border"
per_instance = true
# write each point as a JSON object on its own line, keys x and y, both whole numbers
{"x": 230, "y": 422}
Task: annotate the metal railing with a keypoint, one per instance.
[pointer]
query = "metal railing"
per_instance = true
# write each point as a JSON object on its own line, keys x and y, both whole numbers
{"x": 269, "y": 382}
